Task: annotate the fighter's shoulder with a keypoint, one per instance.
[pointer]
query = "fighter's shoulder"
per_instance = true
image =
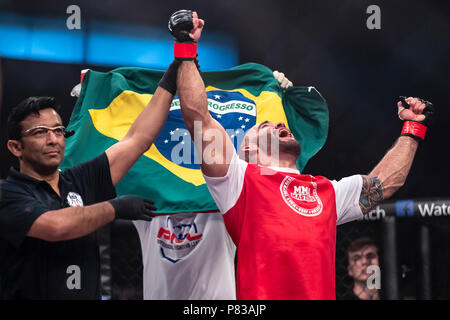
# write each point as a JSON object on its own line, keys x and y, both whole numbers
{"x": 354, "y": 183}
{"x": 346, "y": 180}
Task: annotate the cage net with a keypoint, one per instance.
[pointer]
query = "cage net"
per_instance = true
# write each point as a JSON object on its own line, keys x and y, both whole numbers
{"x": 440, "y": 257}
{"x": 126, "y": 262}
{"x": 347, "y": 234}
{"x": 411, "y": 264}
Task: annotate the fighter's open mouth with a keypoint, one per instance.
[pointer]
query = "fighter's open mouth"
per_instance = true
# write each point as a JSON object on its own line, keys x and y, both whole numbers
{"x": 284, "y": 133}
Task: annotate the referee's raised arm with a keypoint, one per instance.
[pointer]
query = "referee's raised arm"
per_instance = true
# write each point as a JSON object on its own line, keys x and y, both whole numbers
{"x": 142, "y": 133}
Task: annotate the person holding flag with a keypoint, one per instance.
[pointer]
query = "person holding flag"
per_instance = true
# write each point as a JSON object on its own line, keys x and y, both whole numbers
{"x": 189, "y": 255}
{"x": 283, "y": 223}
{"x": 186, "y": 251}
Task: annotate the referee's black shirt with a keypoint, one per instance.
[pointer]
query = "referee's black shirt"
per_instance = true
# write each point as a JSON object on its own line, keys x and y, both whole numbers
{"x": 31, "y": 268}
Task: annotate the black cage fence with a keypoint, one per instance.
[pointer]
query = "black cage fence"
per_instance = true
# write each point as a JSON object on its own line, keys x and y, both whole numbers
{"x": 126, "y": 262}
{"x": 346, "y": 235}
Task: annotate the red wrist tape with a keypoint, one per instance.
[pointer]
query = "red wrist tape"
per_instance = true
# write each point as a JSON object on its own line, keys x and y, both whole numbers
{"x": 414, "y": 128}
{"x": 185, "y": 50}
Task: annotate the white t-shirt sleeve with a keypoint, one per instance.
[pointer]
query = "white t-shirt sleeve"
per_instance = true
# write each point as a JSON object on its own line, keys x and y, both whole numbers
{"x": 348, "y": 192}
{"x": 226, "y": 190}
{"x": 141, "y": 225}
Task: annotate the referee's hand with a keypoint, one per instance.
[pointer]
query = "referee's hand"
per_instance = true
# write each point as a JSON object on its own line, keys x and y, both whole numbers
{"x": 133, "y": 208}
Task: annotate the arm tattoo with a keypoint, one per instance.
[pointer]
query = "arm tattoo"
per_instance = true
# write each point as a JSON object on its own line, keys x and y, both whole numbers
{"x": 371, "y": 193}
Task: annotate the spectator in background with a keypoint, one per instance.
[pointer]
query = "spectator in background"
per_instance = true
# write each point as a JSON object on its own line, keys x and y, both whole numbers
{"x": 362, "y": 253}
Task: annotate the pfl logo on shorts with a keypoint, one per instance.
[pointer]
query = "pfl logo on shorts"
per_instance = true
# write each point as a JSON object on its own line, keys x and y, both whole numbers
{"x": 302, "y": 198}
{"x": 74, "y": 199}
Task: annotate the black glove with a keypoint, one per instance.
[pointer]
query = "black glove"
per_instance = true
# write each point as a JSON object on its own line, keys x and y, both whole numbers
{"x": 428, "y": 112}
{"x": 180, "y": 25}
{"x": 417, "y": 129}
{"x": 133, "y": 208}
{"x": 169, "y": 79}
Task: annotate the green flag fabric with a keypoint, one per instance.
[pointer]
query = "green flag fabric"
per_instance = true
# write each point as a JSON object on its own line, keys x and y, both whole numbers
{"x": 169, "y": 172}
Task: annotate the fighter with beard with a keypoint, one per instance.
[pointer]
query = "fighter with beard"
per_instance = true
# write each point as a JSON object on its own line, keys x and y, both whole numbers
{"x": 282, "y": 222}
{"x": 277, "y": 146}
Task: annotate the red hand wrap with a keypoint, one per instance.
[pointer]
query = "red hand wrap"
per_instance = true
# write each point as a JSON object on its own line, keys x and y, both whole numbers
{"x": 185, "y": 50}
{"x": 414, "y": 128}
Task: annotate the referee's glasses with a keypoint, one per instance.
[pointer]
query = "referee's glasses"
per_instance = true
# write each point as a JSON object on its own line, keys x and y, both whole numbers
{"x": 42, "y": 131}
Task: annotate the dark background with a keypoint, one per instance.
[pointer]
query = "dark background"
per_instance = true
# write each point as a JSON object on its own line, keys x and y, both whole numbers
{"x": 326, "y": 44}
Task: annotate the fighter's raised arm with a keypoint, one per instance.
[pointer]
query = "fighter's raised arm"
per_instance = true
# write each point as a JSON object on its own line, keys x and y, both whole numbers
{"x": 391, "y": 172}
{"x": 210, "y": 138}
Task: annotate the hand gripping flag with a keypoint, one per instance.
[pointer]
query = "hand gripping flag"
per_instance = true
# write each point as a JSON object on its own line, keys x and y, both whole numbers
{"x": 169, "y": 172}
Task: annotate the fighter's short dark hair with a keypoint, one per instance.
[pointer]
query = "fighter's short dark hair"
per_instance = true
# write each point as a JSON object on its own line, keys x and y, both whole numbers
{"x": 30, "y": 105}
{"x": 359, "y": 243}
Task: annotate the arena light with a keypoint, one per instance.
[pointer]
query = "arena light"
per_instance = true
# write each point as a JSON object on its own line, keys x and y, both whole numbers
{"x": 108, "y": 44}
{"x": 14, "y": 35}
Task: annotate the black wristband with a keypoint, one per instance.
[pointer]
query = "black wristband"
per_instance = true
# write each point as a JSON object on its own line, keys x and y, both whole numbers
{"x": 169, "y": 79}
{"x": 117, "y": 206}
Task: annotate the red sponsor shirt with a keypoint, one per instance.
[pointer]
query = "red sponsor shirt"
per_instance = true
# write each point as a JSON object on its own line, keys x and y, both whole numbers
{"x": 284, "y": 227}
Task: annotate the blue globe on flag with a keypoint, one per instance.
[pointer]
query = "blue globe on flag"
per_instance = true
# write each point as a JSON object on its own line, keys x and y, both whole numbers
{"x": 235, "y": 112}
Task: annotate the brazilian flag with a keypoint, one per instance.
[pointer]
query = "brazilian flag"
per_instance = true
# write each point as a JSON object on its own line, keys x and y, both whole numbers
{"x": 169, "y": 172}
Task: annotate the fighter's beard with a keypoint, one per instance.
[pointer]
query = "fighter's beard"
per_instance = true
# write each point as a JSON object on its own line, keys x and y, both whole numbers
{"x": 291, "y": 147}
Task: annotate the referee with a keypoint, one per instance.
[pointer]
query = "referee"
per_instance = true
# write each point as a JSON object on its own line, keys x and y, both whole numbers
{"x": 48, "y": 218}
